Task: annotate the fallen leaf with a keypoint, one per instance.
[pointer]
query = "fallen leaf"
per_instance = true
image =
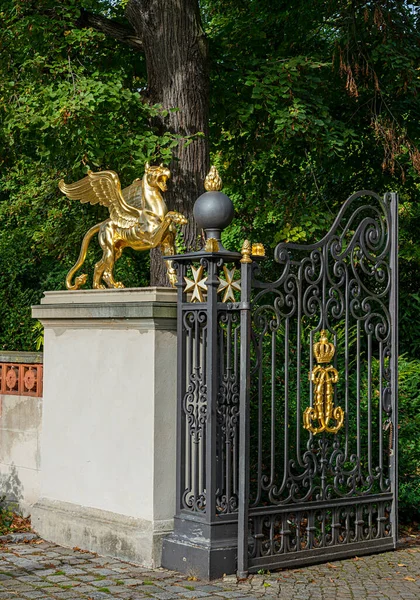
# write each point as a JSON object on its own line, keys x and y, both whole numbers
{"x": 192, "y": 578}
{"x": 410, "y": 578}
{"x": 401, "y": 565}
{"x": 332, "y": 566}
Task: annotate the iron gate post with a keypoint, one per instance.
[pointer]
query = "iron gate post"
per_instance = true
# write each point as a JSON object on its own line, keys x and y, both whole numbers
{"x": 204, "y": 540}
{"x": 205, "y": 537}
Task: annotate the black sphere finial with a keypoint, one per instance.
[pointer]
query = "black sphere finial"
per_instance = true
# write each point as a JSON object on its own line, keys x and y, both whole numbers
{"x": 213, "y": 210}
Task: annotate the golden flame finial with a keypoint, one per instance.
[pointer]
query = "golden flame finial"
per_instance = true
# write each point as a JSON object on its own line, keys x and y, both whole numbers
{"x": 324, "y": 350}
{"x": 213, "y": 181}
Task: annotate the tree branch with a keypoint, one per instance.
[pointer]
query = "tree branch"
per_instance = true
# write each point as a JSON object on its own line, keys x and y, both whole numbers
{"x": 123, "y": 33}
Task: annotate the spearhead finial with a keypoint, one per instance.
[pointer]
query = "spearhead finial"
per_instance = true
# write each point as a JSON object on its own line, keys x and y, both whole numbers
{"x": 213, "y": 181}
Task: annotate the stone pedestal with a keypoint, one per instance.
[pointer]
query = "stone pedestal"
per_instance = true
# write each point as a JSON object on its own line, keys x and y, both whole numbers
{"x": 108, "y": 441}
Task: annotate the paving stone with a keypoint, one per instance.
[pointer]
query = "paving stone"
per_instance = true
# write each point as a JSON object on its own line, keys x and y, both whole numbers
{"x": 48, "y": 572}
{"x": 102, "y": 583}
{"x": 87, "y": 578}
{"x": 148, "y": 588}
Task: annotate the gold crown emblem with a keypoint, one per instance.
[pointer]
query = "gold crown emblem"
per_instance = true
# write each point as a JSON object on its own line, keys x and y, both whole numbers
{"x": 324, "y": 350}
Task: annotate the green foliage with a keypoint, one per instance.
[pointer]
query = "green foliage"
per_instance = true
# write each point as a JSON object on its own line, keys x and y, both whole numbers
{"x": 6, "y": 515}
{"x": 409, "y": 444}
{"x": 70, "y": 101}
{"x": 305, "y": 109}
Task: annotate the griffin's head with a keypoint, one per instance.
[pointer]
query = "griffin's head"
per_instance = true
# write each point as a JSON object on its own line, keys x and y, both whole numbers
{"x": 157, "y": 176}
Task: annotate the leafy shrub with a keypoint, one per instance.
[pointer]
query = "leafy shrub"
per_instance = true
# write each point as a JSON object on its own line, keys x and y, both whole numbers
{"x": 6, "y": 515}
{"x": 409, "y": 444}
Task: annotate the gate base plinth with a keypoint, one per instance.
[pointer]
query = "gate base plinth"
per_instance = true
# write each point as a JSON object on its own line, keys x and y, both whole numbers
{"x": 206, "y": 551}
{"x": 108, "y": 440}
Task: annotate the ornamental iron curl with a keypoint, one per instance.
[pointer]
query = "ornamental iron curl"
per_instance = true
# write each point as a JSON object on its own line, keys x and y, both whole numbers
{"x": 323, "y": 379}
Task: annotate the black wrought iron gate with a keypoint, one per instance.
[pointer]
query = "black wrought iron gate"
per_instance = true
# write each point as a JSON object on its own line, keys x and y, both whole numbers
{"x": 318, "y": 395}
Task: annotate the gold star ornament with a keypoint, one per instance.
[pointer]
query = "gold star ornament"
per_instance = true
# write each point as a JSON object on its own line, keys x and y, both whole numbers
{"x": 228, "y": 285}
{"x": 197, "y": 286}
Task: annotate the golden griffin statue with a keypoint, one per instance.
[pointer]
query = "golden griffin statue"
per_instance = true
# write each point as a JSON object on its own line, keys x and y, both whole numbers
{"x": 138, "y": 219}
{"x": 323, "y": 379}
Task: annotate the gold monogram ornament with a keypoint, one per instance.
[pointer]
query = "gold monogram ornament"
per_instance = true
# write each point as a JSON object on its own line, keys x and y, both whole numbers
{"x": 139, "y": 219}
{"x": 323, "y": 379}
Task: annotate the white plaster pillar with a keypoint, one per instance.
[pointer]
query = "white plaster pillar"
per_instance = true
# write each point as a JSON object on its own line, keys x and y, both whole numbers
{"x": 109, "y": 421}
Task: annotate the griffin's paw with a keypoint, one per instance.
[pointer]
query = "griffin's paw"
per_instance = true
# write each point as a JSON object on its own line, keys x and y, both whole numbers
{"x": 176, "y": 217}
{"x": 80, "y": 280}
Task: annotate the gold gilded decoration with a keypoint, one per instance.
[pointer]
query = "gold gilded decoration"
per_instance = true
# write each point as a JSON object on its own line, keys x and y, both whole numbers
{"x": 323, "y": 379}
{"x": 258, "y": 250}
{"x": 197, "y": 285}
{"x": 228, "y": 285}
{"x": 246, "y": 252}
{"x": 213, "y": 181}
{"x": 324, "y": 350}
{"x": 139, "y": 219}
{"x": 212, "y": 245}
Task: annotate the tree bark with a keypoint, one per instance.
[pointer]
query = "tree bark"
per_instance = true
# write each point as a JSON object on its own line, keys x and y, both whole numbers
{"x": 176, "y": 57}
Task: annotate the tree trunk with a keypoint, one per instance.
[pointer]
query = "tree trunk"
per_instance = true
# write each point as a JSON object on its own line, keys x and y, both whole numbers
{"x": 176, "y": 57}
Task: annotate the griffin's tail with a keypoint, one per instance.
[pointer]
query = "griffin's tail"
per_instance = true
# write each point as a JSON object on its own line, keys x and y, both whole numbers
{"x": 81, "y": 279}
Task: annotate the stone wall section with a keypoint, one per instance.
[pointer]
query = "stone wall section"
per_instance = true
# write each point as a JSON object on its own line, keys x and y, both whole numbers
{"x": 20, "y": 427}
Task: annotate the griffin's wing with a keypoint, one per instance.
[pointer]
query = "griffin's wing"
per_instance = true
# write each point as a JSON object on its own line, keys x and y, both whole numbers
{"x": 103, "y": 188}
{"x": 133, "y": 194}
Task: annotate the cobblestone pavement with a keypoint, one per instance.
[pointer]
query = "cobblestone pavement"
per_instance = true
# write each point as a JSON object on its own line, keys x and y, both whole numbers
{"x": 43, "y": 570}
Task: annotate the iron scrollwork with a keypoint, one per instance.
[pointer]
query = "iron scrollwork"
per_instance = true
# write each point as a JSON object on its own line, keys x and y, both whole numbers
{"x": 336, "y": 486}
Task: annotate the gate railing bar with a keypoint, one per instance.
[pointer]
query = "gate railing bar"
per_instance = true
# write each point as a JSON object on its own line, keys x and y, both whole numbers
{"x": 211, "y": 379}
{"x": 314, "y": 505}
{"x": 244, "y": 392}
{"x": 181, "y": 376}
{"x": 394, "y": 362}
